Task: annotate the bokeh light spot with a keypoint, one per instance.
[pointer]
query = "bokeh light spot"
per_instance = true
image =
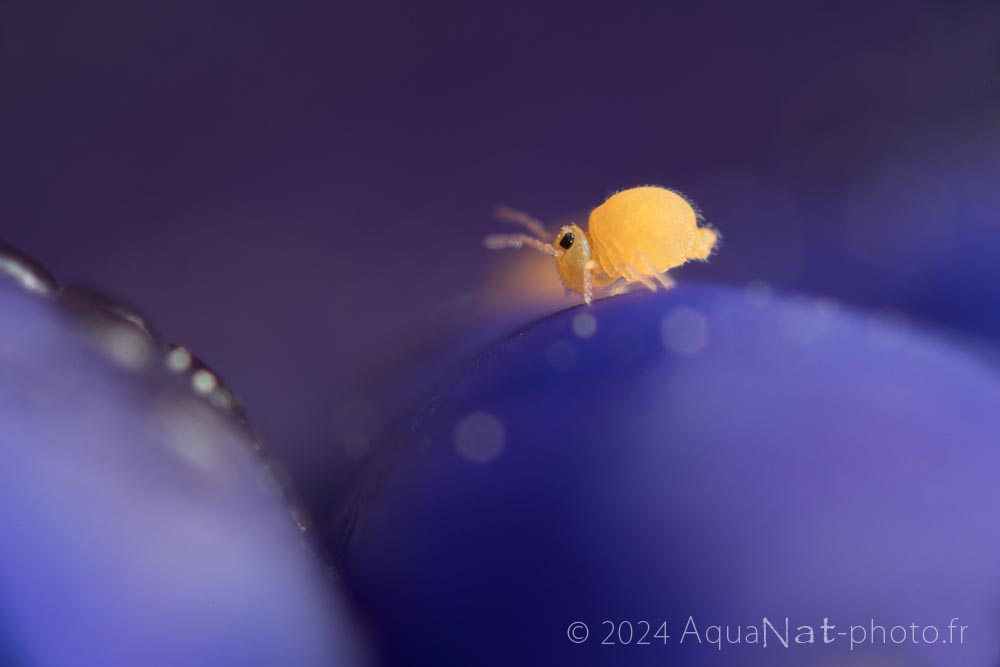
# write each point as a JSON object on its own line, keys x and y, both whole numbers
{"x": 584, "y": 325}
{"x": 480, "y": 437}
{"x": 178, "y": 360}
{"x": 204, "y": 382}
{"x": 684, "y": 331}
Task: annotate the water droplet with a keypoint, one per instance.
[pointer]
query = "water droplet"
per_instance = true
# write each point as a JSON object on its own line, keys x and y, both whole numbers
{"x": 203, "y": 381}
{"x": 25, "y": 272}
{"x": 87, "y": 304}
{"x": 118, "y": 332}
{"x": 480, "y": 437}
{"x": 127, "y": 346}
{"x": 206, "y": 383}
{"x": 225, "y": 400}
{"x": 178, "y": 360}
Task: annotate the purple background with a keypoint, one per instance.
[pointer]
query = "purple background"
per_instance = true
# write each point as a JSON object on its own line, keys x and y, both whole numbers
{"x": 297, "y": 191}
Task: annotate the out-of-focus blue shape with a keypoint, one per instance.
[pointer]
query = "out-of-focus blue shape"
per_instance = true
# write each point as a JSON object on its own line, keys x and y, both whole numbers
{"x": 710, "y": 453}
{"x": 139, "y": 526}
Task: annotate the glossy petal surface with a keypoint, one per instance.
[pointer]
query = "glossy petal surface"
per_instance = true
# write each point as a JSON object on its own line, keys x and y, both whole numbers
{"x": 705, "y": 454}
{"x": 139, "y": 526}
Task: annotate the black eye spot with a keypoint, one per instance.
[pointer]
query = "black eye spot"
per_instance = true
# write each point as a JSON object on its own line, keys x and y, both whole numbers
{"x": 566, "y": 242}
